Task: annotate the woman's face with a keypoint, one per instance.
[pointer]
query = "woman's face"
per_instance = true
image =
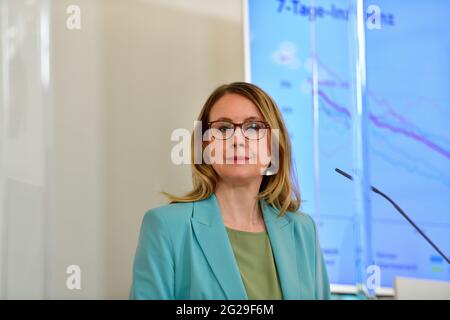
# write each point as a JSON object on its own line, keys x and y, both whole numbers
{"x": 243, "y": 157}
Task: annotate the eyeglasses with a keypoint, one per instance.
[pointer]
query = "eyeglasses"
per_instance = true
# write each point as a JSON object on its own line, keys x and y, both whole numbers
{"x": 252, "y": 130}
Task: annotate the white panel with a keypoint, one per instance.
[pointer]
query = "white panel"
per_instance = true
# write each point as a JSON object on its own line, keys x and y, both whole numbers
{"x": 25, "y": 75}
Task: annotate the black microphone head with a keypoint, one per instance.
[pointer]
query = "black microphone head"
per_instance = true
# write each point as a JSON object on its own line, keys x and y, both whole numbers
{"x": 345, "y": 174}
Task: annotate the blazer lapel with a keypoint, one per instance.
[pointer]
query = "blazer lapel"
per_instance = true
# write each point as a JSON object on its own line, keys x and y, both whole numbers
{"x": 210, "y": 231}
{"x": 281, "y": 235}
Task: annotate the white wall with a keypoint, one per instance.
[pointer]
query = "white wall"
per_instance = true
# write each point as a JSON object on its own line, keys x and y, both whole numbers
{"x": 135, "y": 71}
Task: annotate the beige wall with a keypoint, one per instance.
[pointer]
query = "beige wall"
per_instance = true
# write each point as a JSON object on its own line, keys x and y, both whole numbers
{"x": 77, "y": 167}
{"x": 160, "y": 63}
{"x": 135, "y": 71}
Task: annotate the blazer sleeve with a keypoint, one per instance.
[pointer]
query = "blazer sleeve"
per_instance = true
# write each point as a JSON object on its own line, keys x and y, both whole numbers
{"x": 153, "y": 267}
{"x": 321, "y": 274}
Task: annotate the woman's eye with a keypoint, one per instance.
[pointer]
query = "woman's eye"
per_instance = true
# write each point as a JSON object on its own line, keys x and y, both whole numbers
{"x": 254, "y": 126}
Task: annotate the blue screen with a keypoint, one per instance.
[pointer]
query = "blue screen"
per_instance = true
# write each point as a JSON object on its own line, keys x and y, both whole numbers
{"x": 408, "y": 101}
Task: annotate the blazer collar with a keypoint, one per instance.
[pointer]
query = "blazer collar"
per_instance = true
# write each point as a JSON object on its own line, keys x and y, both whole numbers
{"x": 210, "y": 231}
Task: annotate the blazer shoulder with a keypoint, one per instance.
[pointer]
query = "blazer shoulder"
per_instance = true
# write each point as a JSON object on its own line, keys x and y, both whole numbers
{"x": 303, "y": 220}
{"x": 172, "y": 213}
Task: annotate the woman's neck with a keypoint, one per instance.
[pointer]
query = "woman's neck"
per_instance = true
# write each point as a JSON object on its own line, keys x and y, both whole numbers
{"x": 239, "y": 206}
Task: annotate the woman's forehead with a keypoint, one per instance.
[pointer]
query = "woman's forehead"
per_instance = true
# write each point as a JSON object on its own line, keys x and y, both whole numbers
{"x": 234, "y": 107}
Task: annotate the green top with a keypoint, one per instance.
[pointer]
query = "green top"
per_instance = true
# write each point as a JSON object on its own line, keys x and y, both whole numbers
{"x": 254, "y": 257}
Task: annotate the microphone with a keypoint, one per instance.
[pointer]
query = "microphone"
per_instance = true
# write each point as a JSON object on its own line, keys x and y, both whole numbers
{"x": 396, "y": 206}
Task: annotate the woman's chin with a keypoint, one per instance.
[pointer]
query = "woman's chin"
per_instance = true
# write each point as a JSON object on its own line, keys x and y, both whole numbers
{"x": 239, "y": 171}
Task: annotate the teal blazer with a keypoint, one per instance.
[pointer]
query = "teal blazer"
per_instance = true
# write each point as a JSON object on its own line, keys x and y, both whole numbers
{"x": 184, "y": 253}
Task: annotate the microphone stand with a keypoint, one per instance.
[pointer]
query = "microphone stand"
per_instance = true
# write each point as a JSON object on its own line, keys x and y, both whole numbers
{"x": 396, "y": 206}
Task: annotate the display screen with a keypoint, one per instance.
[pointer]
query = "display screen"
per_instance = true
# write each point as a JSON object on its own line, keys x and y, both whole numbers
{"x": 407, "y": 49}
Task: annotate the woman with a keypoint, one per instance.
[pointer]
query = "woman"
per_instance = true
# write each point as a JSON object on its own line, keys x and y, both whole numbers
{"x": 238, "y": 234}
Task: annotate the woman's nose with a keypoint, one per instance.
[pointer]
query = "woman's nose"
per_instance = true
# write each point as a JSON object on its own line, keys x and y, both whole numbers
{"x": 238, "y": 137}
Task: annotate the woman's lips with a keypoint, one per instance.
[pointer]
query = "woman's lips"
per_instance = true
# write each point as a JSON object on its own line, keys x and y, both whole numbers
{"x": 238, "y": 158}
{"x": 241, "y": 158}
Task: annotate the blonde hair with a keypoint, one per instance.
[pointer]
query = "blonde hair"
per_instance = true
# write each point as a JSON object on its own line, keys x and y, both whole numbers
{"x": 279, "y": 190}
